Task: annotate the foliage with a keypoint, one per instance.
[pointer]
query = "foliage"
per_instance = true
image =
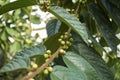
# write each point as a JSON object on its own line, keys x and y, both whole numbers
{"x": 75, "y": 47}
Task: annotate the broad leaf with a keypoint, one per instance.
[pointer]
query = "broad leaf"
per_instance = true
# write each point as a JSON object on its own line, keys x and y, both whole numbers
{"x": 22, "y": 59}
{"x": 94, "y": 59}
{"x": 63, "y": 73}
{"x": 114, "y": 10}
{"x": 16, "y": 4}
{"x": 78, "y": 63}
{"x": 104, "y": 25}
{"x": 115, "y": 2}
{"x": 70, "y": 20}
{"x": 52, "y": 42}
{"x": 53, "y": 27}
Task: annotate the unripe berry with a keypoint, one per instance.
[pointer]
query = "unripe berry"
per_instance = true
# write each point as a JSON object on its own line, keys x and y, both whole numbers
{"x": 66, "y": 33}
{"x": 31, "y": 79}
{"x": 63, "y": 42}
{"x": 50, "y": 69}
{"x": 59, "y": 40}
{"x": 45, "y": 71}
{"x": 65, "y": 47}
{"x": 71, "y": 39}
{"x": 65, "y": 36}
{"x": 68, "y": 43}
{"x": 29, "y": 73}
{"x": 46, "y": 55}
{"x": 62, "y": 51}
{"x": 35, "y": 66}
{"x": 61, "y": 36}
{"x": 48, "y": 52}
{"x": 46, "y": 60}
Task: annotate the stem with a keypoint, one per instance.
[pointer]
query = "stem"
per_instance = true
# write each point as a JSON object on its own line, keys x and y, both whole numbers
{"x": 37, "y": 71}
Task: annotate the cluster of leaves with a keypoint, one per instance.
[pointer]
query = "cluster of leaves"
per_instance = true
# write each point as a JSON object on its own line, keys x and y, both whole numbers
{"x": 97, "y": 22}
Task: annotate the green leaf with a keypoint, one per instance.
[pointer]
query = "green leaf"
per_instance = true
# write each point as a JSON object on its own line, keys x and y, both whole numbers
{"x": 104, "y": 25}
{"x": 3, "y": 35}
{"x": 53, "y": 27}
{"x": 52, "y": 42}
{"x": 78, "y": 63}
{"x": 16, "y": 46}
{"x": 12, "y": 32}
{"x": 115, "y": 2}
{"x": 35, "y": 19}
{"x": 22, "y": 59}
{"x": 70, "y": 20}
{"x": 93, "y": 58}
{"x": 63, "y": 73}
{"x": 113, "y": 10}
{"x": 16, "y": 4}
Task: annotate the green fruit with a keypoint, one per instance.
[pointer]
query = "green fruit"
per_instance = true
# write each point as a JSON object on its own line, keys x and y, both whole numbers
{"x": 59, "y": 40}
{"x": 62, "y": 42}
{"x": 61, "y": 36}
{"x": 65, "y": 36}
{"x": 31, "y": 79}
{"x": 68, "y": 43}
{"x": 66, "y": 33}
{"x": 62, "y": 51}
{"x": 46, "y": 55}
{"x": 65, "y": 47}
{"x": 48, "y": 52}
{"x": 45, "y": 71}
{"x": 71, "y": 39}
{"x": 50, "y": 69}
{"x": 46, "y": 60}
{"x": 34, "y": 66}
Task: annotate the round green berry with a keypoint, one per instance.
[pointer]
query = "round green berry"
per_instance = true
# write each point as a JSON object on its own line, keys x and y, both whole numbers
{"x": 66, "y": 33}
{"x": 68, "y": 42}
{"x": 46, "y": 55}
{"x": 61, "y": 36}
{"x": 71, "y": 39}
{"x": 62, "y": 51}
{"x": 50, "y": 69}
{"x": 65, "y": 36}
{"x": 65, "y": 47}
{"x": 62, "y": 42}
{"x": 48, "y": 51}
{"x": 45, "y": 71}
{"x": 46, "y": 60}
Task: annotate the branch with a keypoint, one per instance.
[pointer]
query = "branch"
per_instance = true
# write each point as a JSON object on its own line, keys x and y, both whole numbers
{"x": 27, "y": 77}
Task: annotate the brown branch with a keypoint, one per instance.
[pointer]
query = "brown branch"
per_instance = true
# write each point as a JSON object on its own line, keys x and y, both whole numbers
{"x": 77, "y": 9}
{"x": 37, "y": 71}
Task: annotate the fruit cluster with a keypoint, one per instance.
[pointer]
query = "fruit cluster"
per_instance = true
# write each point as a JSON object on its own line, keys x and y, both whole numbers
{"x": 49, "y": 68}
{"x": 65, "y": 41}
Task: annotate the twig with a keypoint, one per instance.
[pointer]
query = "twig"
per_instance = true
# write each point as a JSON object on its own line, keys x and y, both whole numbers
{"x": 77, "y": 9}
{"x": 37, "y": 71}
